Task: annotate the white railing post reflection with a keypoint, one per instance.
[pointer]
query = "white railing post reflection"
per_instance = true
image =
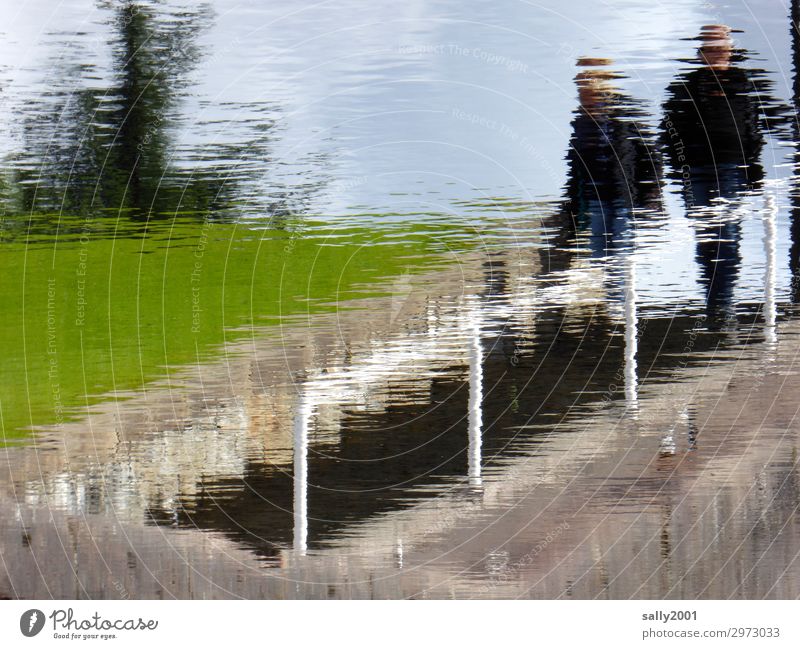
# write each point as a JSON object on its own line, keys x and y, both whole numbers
{"x": 770, "y": 270}
{"x": 398, "y": 553}
{"x": 631, "y": 335}
{"x": 302, "y": 420}
{"x": 475, "y": 414}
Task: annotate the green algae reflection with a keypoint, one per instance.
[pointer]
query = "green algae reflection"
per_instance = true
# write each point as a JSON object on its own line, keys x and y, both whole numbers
{"x": 95, "y": 307}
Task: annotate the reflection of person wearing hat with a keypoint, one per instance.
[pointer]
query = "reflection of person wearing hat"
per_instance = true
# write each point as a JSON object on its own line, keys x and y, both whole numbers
{"x": 713, "y": 140}
{"x": 712, "y": 121}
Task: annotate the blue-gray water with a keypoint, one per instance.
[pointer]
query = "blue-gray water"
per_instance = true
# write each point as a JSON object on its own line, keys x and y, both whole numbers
{"x": 574, "y": 378}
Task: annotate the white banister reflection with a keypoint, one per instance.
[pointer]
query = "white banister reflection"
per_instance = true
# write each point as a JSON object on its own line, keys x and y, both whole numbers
{"x": 769, "y": 218}
{"x": 300, "y": 444}
{"x": 475, "y": 415}
{"x": 398, "y": 553}
{"x": 631, "y": 336}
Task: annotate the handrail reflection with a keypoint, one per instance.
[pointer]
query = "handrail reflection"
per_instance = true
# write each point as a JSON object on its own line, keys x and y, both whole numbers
{"x": 769, "y": 216}
{"x": 631, "y": 336}
{"x": 300, "y": 479}
{"x": 475, "y": 416}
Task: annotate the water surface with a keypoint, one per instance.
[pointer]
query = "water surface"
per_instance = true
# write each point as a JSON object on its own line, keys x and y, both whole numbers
{"x": 334, "y": 300}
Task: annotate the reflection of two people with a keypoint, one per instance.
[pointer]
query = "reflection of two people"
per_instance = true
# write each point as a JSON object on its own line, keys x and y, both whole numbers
{"x": 713, "y": 140}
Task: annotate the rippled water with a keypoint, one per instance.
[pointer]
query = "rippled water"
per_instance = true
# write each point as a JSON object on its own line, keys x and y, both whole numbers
{"x": 420, "y": 300}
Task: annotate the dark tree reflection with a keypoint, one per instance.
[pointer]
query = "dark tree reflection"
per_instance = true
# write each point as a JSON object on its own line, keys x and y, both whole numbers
{"x": 103, "y": 139}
